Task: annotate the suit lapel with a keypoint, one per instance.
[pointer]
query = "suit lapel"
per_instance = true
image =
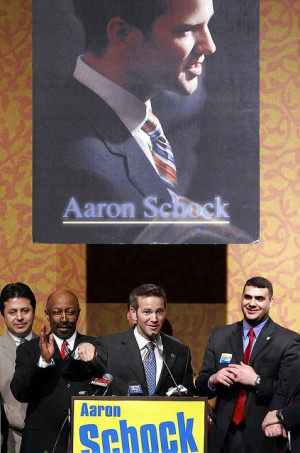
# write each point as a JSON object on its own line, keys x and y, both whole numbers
{"x": 263, "y": 339}
{"x": 120, "y": 142}
{"x": 170, "y": 357}
{"x": 130, "y": 351}
{"x": 236, "y": 341}
{"x": 9, "y": 347}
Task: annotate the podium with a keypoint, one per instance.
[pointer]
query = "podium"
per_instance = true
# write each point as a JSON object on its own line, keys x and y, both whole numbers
{"x": 112, "y": 424}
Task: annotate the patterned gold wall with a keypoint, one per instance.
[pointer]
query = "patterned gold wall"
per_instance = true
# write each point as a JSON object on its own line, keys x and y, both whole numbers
{"x": 277, "y": 256}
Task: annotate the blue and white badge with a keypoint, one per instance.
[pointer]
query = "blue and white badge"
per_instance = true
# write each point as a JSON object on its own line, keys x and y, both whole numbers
{"x": 225, "y": 357}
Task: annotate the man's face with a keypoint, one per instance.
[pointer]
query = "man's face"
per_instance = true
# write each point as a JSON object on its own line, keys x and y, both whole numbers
{"x": 255, "y": 305}
{"x": 62, "y": 314}
{"x": 150, "y": 315}
{"x": 171, "y": 56}
{"x": 18, "y": 316}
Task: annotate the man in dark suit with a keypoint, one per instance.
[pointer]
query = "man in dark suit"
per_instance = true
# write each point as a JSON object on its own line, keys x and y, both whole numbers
{"x": 17, "y": 307}
{"x": 283, "y": 419}
{"x": 244, "y": 391}
{"x": 125, "y": 355}
{"x": 38, "y": 381}
{"x": 100, "y": 159}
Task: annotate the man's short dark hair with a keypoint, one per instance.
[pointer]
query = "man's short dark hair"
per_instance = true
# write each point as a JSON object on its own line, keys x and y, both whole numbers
{"x": 95, "y": 15}
{"x": 146, "y": 290}
{"x": 260, "y": 282}
{"x": 13, "y": 290}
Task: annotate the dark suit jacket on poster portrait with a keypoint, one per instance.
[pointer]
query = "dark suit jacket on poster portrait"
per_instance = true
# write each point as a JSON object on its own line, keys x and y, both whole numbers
{"x": 83, "y": 152}
{"x": 120, "y": 356}
{"x": 48, "y": 396}
{"x": 273, "y": 357}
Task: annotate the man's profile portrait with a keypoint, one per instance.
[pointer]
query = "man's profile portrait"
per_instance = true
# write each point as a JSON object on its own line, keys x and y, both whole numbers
{"x": 145, "y": 123}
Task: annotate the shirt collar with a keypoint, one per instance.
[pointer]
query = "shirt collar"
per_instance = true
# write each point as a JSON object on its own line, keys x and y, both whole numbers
{"x": 257, "y": 329}
{"x": 131, "y": 110}
{"x": 71, "y": 340}
{"x": 17, "y": 340}
{"x": 142, "y": 341}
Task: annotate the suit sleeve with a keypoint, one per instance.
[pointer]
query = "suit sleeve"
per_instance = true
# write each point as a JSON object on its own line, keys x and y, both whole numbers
{"x": 291, "y": 414}
{"x": 207, "y": 369}
{"x": 290, "y": 356}
{"x": 188, "y": 379}
{"x": 28, "y": 378}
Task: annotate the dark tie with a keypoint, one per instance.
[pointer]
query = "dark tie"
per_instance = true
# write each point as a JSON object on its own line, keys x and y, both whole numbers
{"x": 23, "y": 340}
{"x": 64, "y": 349}
{"x": 239, "y": 413}
{"x": 150, "y": 367}
{"x": 162, "y": 153}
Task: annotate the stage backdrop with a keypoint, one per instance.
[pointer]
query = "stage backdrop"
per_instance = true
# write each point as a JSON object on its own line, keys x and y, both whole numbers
{"x": 277, "y": 256}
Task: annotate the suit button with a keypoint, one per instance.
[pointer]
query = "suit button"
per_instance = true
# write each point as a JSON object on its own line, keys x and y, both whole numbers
{"x": 228, "y": 417}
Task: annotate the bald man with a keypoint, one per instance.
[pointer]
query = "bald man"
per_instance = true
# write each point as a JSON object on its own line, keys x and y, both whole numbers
{"x": 37, "y": 379}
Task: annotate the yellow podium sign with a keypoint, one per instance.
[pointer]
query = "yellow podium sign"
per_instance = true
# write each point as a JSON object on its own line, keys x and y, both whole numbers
{"x": 138, "y": 425}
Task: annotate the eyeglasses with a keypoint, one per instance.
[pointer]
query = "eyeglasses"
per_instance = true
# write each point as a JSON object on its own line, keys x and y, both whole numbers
{"x": 68, "y": 314}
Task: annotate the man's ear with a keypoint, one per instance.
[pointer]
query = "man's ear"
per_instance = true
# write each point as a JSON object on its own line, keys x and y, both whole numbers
{"x": 121, "y": 34}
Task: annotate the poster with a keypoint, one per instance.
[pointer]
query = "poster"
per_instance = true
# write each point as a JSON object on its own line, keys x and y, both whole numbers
{"x": 163, "y": 424}
{"x": 92, "y": 182}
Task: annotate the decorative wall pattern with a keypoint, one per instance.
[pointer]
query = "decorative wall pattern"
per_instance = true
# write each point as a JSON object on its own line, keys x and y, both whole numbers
{"x": 277, "y": 256}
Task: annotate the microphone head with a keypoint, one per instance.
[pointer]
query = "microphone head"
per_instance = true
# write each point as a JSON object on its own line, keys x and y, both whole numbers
{"x": 154, "y": 337}
{"x": 108, "y": 377}
{"x": 134, "y": 389}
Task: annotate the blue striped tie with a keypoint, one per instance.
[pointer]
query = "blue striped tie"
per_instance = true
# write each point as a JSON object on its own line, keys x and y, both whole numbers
{"x": 150, "y": 368}
{"x": 162, "y": 153}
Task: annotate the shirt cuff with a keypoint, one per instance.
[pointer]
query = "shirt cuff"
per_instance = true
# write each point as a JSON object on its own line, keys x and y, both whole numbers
{"x": 43, "y": 364}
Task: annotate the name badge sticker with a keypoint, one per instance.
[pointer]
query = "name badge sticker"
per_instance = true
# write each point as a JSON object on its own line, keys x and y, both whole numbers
{"x": 225, "y": 357}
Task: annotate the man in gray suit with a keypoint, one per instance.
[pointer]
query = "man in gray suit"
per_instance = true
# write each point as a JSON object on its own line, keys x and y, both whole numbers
{"x": 17, "y": 306}
{"x": 244, "y": 364}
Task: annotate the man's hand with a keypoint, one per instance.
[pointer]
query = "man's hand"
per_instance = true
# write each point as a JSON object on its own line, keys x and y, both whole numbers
{"x": 225, "y": 376}
{"x": 46, "y": 348}
{"x": 244, "y": 374}
{"x": 87, "y": 352}
{"x": 276, "y": 430}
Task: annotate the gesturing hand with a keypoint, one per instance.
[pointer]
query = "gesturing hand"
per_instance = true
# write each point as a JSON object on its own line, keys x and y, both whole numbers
{"x": 46, "y": 348}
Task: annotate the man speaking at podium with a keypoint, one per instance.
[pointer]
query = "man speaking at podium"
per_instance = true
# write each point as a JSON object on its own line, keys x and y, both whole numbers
{"x": 155, "y": 362}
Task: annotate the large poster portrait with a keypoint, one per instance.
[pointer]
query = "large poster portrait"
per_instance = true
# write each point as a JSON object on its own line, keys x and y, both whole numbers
{"x": 146, "y": 121}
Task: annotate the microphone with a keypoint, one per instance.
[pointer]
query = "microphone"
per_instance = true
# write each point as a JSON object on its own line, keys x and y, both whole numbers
{"x": 179, "y": 390}
{"x": 101, "y": 384}
{"x": 134, "y": 389}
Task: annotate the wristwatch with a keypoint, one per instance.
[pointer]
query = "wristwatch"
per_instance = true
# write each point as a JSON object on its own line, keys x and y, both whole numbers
{"x": 279, "y": 415}
{"x": 257, "y": 382}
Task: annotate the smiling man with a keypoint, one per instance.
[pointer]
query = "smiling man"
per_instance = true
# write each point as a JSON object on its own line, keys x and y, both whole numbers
{"x": 244, "y": 364}
{"x": 38, "y": 381}
{"x": 134, "y": 50}
{"x": 129, "y": 355}
{"x": 17, "y": 306}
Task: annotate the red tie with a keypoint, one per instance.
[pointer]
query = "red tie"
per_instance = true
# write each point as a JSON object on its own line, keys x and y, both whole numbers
{"x": 64, "y": 349}
{"x": 238, "y": 413}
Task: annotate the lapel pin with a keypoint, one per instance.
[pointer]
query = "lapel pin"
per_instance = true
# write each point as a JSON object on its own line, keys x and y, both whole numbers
{"x": 268, "y": 338}
{"x": 172, "y": 355}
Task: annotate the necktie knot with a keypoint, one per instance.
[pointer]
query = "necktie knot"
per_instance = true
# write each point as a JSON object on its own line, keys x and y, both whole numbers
{"x": 162, "y": 153}
{"x": 23, "y": 340}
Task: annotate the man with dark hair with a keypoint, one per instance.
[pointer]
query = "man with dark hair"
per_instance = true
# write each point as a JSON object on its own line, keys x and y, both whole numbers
{"x": 38, "y": 381}
{"x": 17, "y": 307}
{"x": 126, "y": 355}
{"x": 243, "y": 365}
{"x": 104, "y": 132}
